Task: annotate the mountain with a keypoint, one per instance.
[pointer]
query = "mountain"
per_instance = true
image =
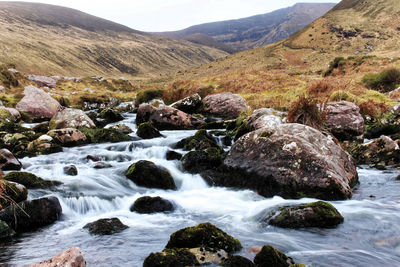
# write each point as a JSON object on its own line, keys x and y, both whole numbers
{"x": 53, "y": 40}
{"x": 256, "y": 31}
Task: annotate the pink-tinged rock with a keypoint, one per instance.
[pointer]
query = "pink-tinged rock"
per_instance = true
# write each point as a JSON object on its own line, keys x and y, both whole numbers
{"x": 264, "y": 117}
{"x": 144, "y": 112}
{"x": 70, "y": 258}
{"x": 38, "y": 104}
{"x": 43, "y": 81}
{"x": 71, "y": 118}
{"x": 14, "y": 112}
{"x": 68, "y": 136}
{"x": 291, "y": 160}
{"x": 8, "y": 161}
{"x": 226, "y": 105}
{"x": 344, "y": 120}
{"x": 168, "y": 118}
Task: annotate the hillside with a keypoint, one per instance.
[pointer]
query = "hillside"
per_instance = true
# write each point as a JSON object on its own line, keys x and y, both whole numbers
{"x": 260, "y": 30}
{"x": 54, "y": 40}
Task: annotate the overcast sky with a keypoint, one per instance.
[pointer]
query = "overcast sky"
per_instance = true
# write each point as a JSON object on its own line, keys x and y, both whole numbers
{"x": 167, "y": 15}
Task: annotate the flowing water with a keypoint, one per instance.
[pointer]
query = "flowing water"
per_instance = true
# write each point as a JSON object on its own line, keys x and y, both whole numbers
{"x": 369, "y": 236}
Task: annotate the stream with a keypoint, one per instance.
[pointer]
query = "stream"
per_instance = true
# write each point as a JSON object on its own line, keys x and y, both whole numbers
{"x": 369, "y": 236}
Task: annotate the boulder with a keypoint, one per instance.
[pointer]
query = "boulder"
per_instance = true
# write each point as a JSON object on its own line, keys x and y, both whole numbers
{"x": 42, "y": 127}
{"x": 7, "y": 120}
{"x": 37, "y": 104}
{"x": 292, "y": 161}
{"x": 380, "y": 151}
{"x": 71, "y": 118}
{"x": 270, "y": 256}
{"x": 146, "y": 173}
{"x": 70, "y": 258}
{"x": 189, "y": 104}
{"x": 31, "y": 214}
{"x": 226, "y": 105}
{"x": 8, "y": 162}
{"x": 264, "y": 117}
{"x": 44, "y": 145}
{"x": 12, "y": 193}
{"x": 168, "y": 118}
{"x": 201, "y": 140}
{"x": 237, "y": 261}
{"x": 68, "y": 137}
{"x": 344, "y": 120}
{"x": 201, "y": 160}
{"x": 102, "y": 165}
{"x": 144, "y": 112}
{"x": 105, "y": 226}
{"x": 172, "y": 155}
{"x": 43, "y": 81}
{"x": 14, "y": 112}
{"x": 96, "y": 136}
{"x": 122, "y": 128}
{"x": 204, "y": 235}
{"x": 71, "y": 170}
{"x": 396, "y": 109}
{"x": 110, "y": 115}
{"x": 152, "y": 205}
{"x": 147, "y": 131}
{"x": 29, "y": 180}
{"x": 171, "y": 258}
{"x": 206, "y": 257}
{"x": 317, "y": 214}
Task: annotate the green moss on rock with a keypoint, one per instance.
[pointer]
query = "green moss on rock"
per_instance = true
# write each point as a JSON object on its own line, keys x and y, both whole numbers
{"x": 146, "y": 130}
{"x": 171, "y": 258}
{"x": 237, "y": 261}
{"x": 204, "y": 235}
{"x": 201, "y": 140}
{"x": 270, "y": 256}
{"x": 29, "y": 180}
{"x": 96, "y": 135}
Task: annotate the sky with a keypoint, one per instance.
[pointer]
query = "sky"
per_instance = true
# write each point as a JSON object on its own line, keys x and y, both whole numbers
{"x": 169, "y": 15}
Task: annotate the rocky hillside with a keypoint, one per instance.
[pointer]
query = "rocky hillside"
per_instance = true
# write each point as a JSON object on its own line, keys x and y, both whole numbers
{"x": 260, "y": 30}
{"x": 54, "y": 40}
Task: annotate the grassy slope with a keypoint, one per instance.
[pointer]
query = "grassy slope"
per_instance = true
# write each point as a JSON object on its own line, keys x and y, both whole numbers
{"x": 52, "y": 40}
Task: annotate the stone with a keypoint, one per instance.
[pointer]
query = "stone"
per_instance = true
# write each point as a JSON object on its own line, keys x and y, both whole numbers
{"x": 237, "y": 261}
{"x": 71, "y": 170}
{"x": 29, "y": 180}
{"x": 226, "y": 105}
{"x": 43, "y": 81}
{"x": 42, "y": 127}
{"x": 8, "y": 162}
{"x": 144, "y": 112}
{"x": 7, "y": 121}
{"x": 201, "y": 140}
{"x": 292, "y": 161}
{"x": 344, "y": 120}
{"x": 12, "y": 192}
{"x": 201, "y": 160}
{"x": 122, "y": 128}
{"x": 168, "y": 118}
{"x": 270, "y": 256}
{"x": 204, "y": 235}
{"x": 172, "y": 155}
{"x": 37, "y": 104}
{"x": 147, "y": 174}
{"x": 96, "y": 136}
{"x": 171, "y": 258}
{"x": 15, "y": 113}
{"x": 110, "y": 115}
{"x": 396, "y": 108}
{"x": 44, "y": 145}
{"x": 5, "y": 230}
{"x": 32, "y": 214}
{"x": 205, "y": 257}
{"x": 68, "y": 137}
{"x": 93, "y": 158}
{"x": 102, "y": 165}
{"x": 105, "y": 226}
{"x": 264, "y": 117}
{"x": 70, "y": 258}
{"x": 147, "y": 131}
{"x": 317, "y": 214}
{"x": 71, "y": 118}
{"x": 149, "y": 205}
{"x": 188, "y": 104}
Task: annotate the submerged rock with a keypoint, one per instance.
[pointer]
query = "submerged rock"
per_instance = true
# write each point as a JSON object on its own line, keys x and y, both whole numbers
{"x": 146, "y": 173}
{"x": 147, "y": 131}
{"x": 152, "y": 205}
{"x": 105, "y": 226}
{"x": 173, "y": 155}
{"x": 171, "y": 258}
{"x": 71, "y": 170}
{"x": 204, "y": 235}
{"x": 226, "y": 105}
{"x": 70, "y": 258}
{"x": 71, "y": 118}
{"x": 316, "y": 214}
{"x": 344, "y": 120}
{"x": 32, "y": 214}
{"x": 37, "y": 104}
{"x": 8, "y": 162}
{"x": 270, "y": 256}
{"x": 290, "y": 160}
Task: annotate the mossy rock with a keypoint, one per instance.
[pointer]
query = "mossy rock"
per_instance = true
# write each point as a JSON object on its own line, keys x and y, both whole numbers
{"x": 96, "y": 135}
{"x": 146, "y": 130}
{"x": 105, "y": 226}
{"x": 270, "y": 256}
{"x": 197, "y": 161}
{"x": 147, "y": 205}
{"x": 5, "y": 230}
{"x": 377, "y": 129}
{"x": 7, "y": 121}
{"x": 42, "y": 148}
{"x": 171, "y": 258}
{"x": 237, "y": 261}
{"x": 316, "y": 214}
{"x": 110, "y": 115}
{"x": 204, "y": 235}
{"x": 29, "y": 180}
{"x": 201, "y": 140}
{"x": 147, "y": 96}
{"x": 146, "y": 173}
{"x": 13, "y": 192}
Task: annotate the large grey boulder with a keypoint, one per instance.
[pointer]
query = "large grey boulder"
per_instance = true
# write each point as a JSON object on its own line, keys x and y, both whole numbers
{"x": 226, "y": 105}
{"x": 42, "y": 81}
{"x": 71, "y": 118}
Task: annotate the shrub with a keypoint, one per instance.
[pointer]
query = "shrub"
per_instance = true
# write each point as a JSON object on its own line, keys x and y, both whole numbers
{"x": 384, "y": 81}
{"x": 307, "y": 111}
{"x": 319, "y": 87}
{"x": 338, "y": 62}
{"x": 148, "y": 95}
{"x": 373, "y": 108}
{"x": 342, "y": 95}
